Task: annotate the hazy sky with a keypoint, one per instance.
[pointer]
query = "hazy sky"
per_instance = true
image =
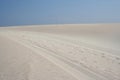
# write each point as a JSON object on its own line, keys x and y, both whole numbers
{"x": 24, "y": 12}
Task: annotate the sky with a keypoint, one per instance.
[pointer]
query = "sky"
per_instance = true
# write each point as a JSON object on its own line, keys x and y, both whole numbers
{"x": 30, "y": 12}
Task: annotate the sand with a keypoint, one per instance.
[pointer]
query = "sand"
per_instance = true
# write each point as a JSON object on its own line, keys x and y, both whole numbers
{"x": 60, "y": 52}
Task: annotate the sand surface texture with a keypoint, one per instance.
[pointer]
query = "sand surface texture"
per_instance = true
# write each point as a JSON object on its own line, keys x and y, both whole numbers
{"x": 60, "y": 52}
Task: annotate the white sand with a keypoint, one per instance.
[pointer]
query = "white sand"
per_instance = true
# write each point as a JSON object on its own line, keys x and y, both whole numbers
{"x": 60, "y": 52}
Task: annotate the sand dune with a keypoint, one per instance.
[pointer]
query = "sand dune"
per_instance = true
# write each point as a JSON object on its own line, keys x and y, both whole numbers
{"x": 60, "y": 52}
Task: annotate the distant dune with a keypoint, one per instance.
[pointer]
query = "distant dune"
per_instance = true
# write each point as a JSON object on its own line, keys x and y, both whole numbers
{"x": 60, "y": 52}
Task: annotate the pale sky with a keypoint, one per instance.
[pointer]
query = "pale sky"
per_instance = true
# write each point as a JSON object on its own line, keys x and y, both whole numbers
{"x": 27, "y": 12}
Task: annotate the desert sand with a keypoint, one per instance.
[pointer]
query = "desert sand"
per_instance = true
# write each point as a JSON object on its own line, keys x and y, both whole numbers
{"x": 60, "y": 52}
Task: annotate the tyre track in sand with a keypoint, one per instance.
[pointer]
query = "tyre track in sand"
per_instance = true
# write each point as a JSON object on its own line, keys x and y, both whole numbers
{"x": 49, "y": 44}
